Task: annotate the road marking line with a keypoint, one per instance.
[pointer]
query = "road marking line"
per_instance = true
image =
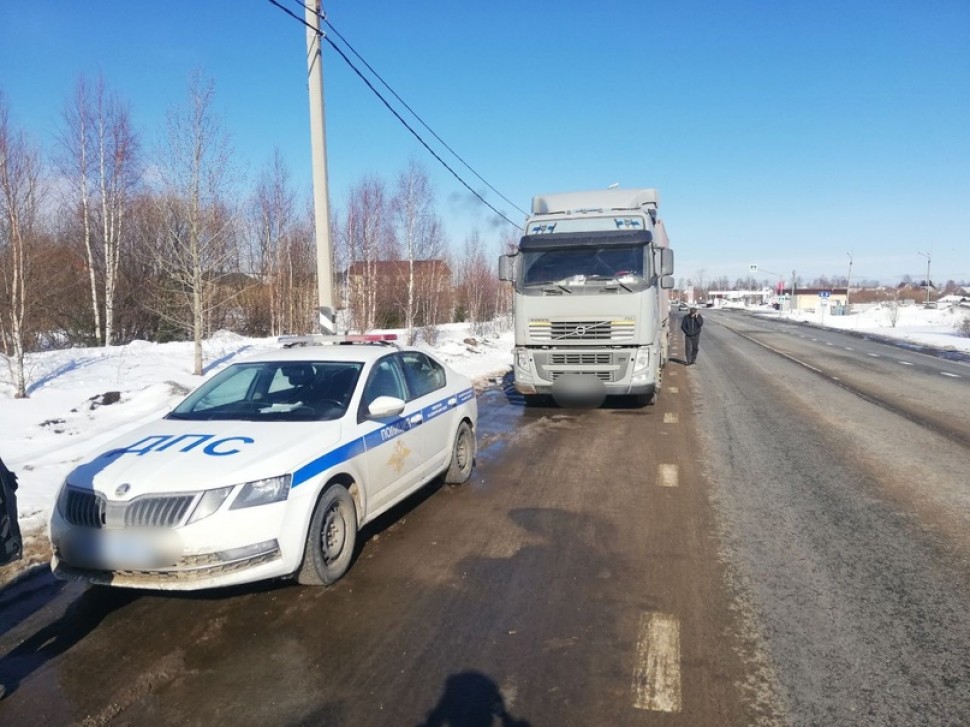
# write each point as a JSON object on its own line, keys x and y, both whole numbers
{"x": 673, "y": 390}
{"x": 656, "y": 675}
{"x": 849, "y": 348}
{"x": 906, "y": 363}
{"x": 667, "y": 475}
{"x": 670, "y": 417}
{"x": 947, "y": 373}
{"x": 874, "y": 355}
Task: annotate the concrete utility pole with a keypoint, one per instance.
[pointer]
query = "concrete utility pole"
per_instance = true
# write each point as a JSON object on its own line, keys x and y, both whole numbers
{"x": 927, "y": 256}
{"x": 318, "y": 149}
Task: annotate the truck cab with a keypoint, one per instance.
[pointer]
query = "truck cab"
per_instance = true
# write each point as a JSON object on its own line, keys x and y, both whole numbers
{"x": 590, "y": 281}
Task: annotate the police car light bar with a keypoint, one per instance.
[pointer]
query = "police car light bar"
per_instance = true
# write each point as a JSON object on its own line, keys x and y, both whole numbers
{"x": 319, "y": 338}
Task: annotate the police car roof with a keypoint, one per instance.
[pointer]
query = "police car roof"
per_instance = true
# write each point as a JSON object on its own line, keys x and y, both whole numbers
{"x": 358, "y": 352}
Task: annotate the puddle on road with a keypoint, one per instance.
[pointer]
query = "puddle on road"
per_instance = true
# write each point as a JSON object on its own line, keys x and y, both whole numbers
{"x": 502, "y": 414}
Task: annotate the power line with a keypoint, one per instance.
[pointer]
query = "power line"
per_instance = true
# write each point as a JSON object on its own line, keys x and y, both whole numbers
{"x": 398, "y": 115}
{"x": 411, "y": 110}
{"x": 425, "y": 125}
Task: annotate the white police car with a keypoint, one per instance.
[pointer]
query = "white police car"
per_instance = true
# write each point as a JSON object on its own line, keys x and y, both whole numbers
{"x": 266, "y": 470}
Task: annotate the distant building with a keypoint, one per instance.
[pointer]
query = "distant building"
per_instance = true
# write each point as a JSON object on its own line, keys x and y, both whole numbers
{"x": 816, "y": 299}
{"x": 722, "y": 298}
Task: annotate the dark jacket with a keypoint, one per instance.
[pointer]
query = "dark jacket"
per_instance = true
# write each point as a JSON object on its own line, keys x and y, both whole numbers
{"x": 11, "y": 545}
{"x": 691, "y": 325}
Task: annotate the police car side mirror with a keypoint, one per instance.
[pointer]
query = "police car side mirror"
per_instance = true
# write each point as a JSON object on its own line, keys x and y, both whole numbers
{"x": 385, "y": 406}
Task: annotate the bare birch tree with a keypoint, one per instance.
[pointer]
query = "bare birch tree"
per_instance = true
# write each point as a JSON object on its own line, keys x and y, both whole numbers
{"x": 99, "y": 159}
{"x": 418, "y": 232}
{"x": 19, "y": 197}
{"x": 196, "y": 249}
{"x": 271, "y": 219}
{"x": 477, "y": 284}
{"x": 369, "y": 240}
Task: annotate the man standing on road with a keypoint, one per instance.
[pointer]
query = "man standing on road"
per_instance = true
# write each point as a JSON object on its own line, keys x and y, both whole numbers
{"x": 691, "y": 325}
{"x": 11, "y": 545}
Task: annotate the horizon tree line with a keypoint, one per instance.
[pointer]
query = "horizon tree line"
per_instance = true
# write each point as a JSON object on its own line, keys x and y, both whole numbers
{"x": 105, "y": 239}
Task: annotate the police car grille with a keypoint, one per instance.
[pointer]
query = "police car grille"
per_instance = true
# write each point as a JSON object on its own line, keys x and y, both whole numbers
{"x": 157, "y": 512}
{"x": 91, "y": 510}
{"x": 85, "y": 509}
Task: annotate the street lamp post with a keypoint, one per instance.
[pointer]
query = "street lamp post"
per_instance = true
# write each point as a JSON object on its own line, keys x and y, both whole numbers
{"x": 927, "y": 256}
{"x": 848, "y": 282}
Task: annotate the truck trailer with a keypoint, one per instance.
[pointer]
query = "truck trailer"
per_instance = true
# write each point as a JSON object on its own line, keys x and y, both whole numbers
{"x": 590, "y": 302}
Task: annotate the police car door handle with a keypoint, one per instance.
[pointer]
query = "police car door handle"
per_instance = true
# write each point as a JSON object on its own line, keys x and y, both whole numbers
{"x": 416, "y": 419}
{"x": 453, "y": 401}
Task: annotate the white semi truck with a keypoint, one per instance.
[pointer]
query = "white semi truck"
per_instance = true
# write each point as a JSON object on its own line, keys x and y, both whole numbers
{"x": 592, "y": 313}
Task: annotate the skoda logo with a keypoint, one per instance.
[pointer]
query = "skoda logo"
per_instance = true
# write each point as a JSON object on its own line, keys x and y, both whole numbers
{"x": 122, "y": 490}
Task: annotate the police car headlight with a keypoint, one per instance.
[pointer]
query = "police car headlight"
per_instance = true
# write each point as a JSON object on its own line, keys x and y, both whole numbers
{"x": 210, "y": 501}
{"x": 262, "y": 492}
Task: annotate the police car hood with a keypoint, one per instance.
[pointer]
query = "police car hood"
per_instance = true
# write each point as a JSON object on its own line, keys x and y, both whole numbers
{"x": 180, "y": 456}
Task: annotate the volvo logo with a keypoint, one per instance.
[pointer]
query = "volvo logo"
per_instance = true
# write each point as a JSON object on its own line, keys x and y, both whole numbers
{"x": 122, "y": 490}
{"x": 580, "y": 330}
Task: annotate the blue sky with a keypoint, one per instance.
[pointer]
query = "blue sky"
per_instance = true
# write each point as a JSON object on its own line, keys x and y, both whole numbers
{"x": 781, "y": 134}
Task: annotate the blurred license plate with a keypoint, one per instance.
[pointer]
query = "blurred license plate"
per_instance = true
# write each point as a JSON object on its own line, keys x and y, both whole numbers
{"x": 108, "y": 550}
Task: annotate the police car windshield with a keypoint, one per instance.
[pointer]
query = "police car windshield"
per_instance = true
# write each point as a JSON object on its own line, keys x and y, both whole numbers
{"x": 283, "y": 391}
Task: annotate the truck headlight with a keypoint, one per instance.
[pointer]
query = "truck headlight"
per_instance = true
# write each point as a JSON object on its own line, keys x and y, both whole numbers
{"x": 642, "y": 360}
{"x": 262, "y": 492}
{"x": 522, "y": 359}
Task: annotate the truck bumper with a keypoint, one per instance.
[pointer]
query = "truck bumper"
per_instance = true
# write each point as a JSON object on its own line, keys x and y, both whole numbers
{"x": 645, "y": 390}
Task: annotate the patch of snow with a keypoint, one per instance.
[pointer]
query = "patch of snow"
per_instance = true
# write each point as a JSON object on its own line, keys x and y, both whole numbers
{"x": 66, "y": 415}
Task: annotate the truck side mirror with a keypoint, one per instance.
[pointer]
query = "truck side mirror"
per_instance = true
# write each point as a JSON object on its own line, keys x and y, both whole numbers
{"x": 667, "y": 282}
{"x": 666, "y": 261}
{"x": 506, "y": 268}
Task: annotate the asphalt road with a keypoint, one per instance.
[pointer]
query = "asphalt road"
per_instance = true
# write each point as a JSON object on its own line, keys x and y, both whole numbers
{"x": 781, "y": 539}
{"x": 838, "y": 469}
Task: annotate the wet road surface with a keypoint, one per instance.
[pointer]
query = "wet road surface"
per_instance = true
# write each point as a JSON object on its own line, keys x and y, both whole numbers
{"x": 778, "y": 540}
{"x": 574, "y": 580}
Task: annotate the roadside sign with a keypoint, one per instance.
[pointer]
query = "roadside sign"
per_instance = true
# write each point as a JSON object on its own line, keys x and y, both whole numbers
{"x": 753, "y": 268}
{"x": 824, "y": 293}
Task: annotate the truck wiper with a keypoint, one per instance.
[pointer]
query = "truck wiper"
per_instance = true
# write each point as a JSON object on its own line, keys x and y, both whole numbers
{"x": 553, "y": 285}
{"x": 611, "y": 279}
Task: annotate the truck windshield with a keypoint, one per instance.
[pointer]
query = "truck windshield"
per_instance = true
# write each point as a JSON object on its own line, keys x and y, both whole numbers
{"x": 579, "y": 265}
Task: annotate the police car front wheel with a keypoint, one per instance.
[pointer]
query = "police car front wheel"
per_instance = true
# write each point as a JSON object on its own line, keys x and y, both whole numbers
{"x": 462, "y": 456}
{"x": 331, "y": 538}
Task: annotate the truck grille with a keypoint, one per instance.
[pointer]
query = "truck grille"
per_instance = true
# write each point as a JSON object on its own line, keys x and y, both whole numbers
{"x": 580, "y": 359}
{"x": 92, "y": 510}
{"x": 605, "y": 376}
{"x": 610, "y": 366}
{"x": 600, "y": 331}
